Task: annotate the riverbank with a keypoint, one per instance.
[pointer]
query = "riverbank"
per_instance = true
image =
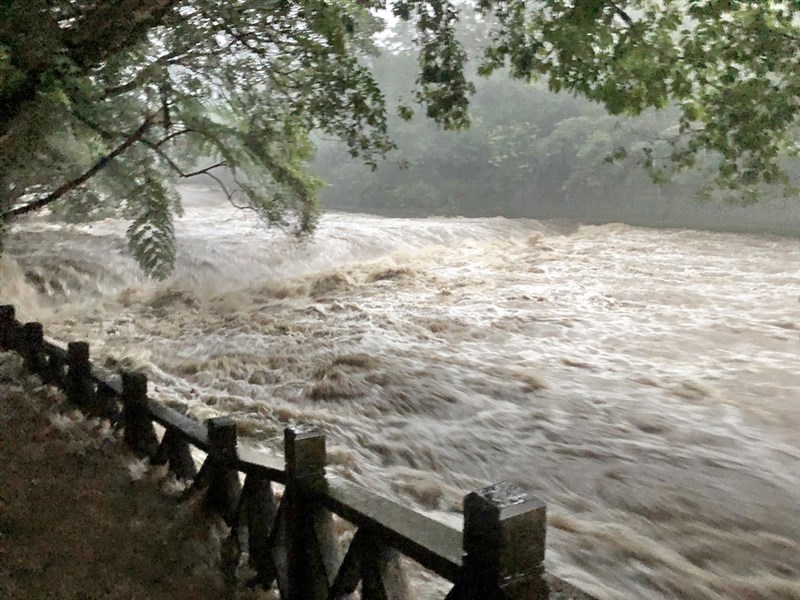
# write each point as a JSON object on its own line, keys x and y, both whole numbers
{"x": 80, "y": 517}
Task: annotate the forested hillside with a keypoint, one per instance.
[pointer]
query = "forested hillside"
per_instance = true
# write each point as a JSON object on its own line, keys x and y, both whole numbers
{"x": 532, "y": 153}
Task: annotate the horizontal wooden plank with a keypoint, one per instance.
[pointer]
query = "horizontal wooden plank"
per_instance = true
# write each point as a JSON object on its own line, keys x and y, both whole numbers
{"x": 432, "y": 544}
{"x": 52, "y": 349}
{"x": 257, "y": 462}
{"x": 562, "y": 590}
{"x": 108, "y": 378}
{"x": 194, "y": 432}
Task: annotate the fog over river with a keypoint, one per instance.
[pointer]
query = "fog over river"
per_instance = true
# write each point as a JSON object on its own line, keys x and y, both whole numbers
{"x": 645, "y": 383}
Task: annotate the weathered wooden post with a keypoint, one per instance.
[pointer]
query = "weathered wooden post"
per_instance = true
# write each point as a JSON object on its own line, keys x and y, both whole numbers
{"x": 382, "y": 576}
{"x": 260, "y": 511}
{"x": 139, "y": 434}
{"x": 374, "y": 564}
{"x": 32, "y": 349}
{"x": 224, "y": 488}
{"x": 54, "y": 372}
{"x": 176, "y": 453}
{"x": 306, "y": 551}
{"x": 504, "y": 542}
{"x": 79, "y": 386}
{"x": 8, "y": 327}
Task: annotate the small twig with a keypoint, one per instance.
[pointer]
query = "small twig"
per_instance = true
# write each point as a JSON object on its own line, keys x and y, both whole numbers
{"x": 175, "y": 167}
{"x": 230, "y": 195}
{"x": 172, "y": 136}
{"x": 621, "y": 13}
{"x": 206, "y": 171}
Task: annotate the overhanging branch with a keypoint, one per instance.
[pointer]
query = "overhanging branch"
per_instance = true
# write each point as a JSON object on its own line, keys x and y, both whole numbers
{"x": 175, "y": 166}
{"x": 74, "y": 183}
{"x": 206, "y": 171}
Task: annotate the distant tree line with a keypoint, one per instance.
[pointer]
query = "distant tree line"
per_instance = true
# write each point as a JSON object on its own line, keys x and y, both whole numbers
{"x": 531, "y": 153}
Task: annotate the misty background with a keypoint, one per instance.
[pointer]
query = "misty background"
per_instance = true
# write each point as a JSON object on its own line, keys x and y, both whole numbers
{"x": 530, "y": 153}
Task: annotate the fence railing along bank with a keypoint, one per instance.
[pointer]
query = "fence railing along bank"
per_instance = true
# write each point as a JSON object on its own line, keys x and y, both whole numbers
{"x": 498, "y": 556}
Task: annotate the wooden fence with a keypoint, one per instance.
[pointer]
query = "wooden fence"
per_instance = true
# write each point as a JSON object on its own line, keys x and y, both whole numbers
{"x": 498, "y": 556}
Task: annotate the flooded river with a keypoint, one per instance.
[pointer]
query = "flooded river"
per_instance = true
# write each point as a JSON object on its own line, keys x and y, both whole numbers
{"x": 645, "y": 383}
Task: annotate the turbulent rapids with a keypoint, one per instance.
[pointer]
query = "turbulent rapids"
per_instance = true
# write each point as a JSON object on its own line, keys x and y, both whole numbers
{"x": 644, "y": 383}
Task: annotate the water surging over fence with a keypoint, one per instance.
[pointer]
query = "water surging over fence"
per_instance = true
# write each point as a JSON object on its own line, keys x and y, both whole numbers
{"x": 643, "y": 382}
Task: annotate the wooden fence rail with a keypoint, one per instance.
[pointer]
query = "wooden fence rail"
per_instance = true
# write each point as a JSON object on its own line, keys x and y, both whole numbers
{"x": 498, "y": 556}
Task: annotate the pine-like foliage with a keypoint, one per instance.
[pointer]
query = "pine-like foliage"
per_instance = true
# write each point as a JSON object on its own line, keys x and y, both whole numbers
{"x": 106, "y": 105}
{"x": 151, "y": 236}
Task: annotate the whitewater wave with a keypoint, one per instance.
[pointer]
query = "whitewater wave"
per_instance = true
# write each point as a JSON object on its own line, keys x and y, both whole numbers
{"x": 643, "y": 382}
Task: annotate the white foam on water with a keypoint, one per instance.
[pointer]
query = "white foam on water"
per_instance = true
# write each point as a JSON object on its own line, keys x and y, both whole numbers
{"x": 643, "y": 382}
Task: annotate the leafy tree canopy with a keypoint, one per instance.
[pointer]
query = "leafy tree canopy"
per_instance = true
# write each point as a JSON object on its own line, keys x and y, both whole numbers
{"x": 731, "y": 66}
{"x": 110, "y": 102}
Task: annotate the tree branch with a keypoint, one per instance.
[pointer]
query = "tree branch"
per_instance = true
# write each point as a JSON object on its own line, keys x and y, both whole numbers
{"x": 204, "y": 171}
{"x": 175, "y": 167}
{"x": 142, "y": 76}
{"x": 74, "y": 183}
{"x": 621, "y": 13}
{"x": 230, "y": 195}
{"x": 163, "y": 92}
{"x": 172, "y": 136}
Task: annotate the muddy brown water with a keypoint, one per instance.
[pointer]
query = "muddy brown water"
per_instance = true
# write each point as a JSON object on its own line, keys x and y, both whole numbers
{"x": 645, "y": 383}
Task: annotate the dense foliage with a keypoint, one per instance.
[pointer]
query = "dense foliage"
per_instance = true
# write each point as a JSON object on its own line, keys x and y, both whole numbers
{"x": 732, "y": 67}
{"x": 106, "y": 104}
{"x": 120, "y": 94}
{"x": 530, "y": 152}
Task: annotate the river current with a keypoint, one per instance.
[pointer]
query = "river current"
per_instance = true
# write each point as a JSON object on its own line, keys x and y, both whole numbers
{"x": 644, "y": 383}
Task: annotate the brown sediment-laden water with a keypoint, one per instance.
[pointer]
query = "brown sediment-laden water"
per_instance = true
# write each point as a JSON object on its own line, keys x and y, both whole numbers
{"x": 645, "y": 383}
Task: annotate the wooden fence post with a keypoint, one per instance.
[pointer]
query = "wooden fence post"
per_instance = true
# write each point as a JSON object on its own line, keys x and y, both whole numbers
{"x": 224, "y": 488}
{"x": 32, "y": 349}
{"x": 8, "y": 327}
{"x": 504, "y": 544}
{"x": 176, "y": 453}
{"x": 260, "y": 511}
{"x": 79, "y": 386}
{"x": 55, "y": 371}
{"x": 374, "y": 564}
{"x": 306, "y": 551}
{"x": 139, "y": 432}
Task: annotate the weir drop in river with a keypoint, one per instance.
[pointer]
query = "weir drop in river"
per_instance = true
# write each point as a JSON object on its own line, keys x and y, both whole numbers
{"x": 644, "y": 383}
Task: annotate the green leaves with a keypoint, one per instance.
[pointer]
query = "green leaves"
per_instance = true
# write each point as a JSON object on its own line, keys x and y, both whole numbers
{"x": 11, "y": 77}
{"x": 245, "y": 83}
{"x": 405, "y": 112}
{"x": 151, "y": 237}
{"x": 732, "y": 67}
{"x": 241, "y": 84}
